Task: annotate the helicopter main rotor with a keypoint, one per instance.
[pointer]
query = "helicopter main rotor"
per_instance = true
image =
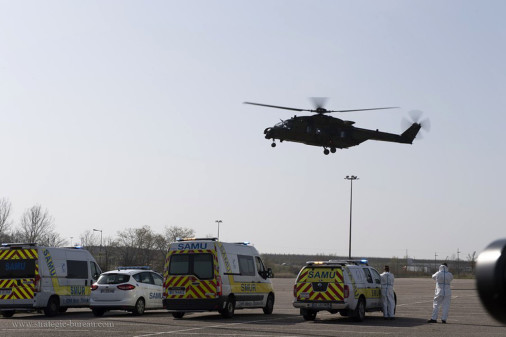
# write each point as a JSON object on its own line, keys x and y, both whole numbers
{"x": 319, "y": 109}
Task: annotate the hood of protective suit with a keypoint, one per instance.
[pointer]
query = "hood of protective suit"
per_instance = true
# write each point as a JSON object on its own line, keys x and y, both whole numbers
{"x": 443, "y": 268}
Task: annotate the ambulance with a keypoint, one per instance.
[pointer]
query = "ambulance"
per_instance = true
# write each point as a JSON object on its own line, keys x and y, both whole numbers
{"x": 210, "y": 275}
{"x": 34, "y": 277}
{"x": 350, "y": 287}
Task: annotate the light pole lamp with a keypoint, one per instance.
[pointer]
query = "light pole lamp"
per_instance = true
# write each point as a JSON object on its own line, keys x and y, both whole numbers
{"x": 218, "y": 222}
{"x": 350, "y": 178}
{"x": 99, "y": 230}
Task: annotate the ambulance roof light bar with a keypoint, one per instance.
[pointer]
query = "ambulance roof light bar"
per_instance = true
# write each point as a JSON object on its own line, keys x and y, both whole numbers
{"x": 19, "y": 244}
{"x": 196, "y": 239}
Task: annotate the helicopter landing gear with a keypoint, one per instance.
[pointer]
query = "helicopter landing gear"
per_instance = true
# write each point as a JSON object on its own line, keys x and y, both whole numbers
{"x": 273, "y": 144}
{"x": 326, "y": 151}
{"x": 333, "y": 149}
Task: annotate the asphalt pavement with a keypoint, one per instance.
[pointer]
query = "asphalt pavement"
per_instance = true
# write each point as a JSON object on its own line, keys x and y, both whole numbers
{"x": 467, "y": 318}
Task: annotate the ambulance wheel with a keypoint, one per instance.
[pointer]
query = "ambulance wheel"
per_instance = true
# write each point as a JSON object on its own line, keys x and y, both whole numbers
{"x": 140, "y": 305}
{"x": 228, "y": 311}
{"x": 98, "y": 312}
{"x": 359, "y": 313}
{"x": 308, "y": 315}
{"x": 53, "y": 307}
{"x": 62, "y": 309}
{"x": 178, "y": 314}
{"x": 7, "y": 313}
{"x": 269, "y": 306}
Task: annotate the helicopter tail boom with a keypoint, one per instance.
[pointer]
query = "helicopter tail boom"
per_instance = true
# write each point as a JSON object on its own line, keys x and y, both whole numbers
{"x": 409, "y": 135}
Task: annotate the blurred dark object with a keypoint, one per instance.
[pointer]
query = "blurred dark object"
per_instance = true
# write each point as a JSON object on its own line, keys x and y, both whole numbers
{"x": 491, "y": 279}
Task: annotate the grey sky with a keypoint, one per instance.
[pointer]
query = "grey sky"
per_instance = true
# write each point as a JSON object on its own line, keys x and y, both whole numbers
{"x": 117, "y": 114}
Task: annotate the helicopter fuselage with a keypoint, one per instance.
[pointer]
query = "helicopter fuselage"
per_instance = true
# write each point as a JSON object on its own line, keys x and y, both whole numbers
{"x": 331, "y": 132}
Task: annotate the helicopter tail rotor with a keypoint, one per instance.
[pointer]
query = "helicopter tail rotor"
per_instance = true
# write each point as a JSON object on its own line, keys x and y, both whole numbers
{"x": 416, "y": 119}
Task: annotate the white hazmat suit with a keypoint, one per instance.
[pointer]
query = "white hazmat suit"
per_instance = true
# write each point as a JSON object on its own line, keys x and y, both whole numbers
{"x": 443, "y": 293}
{"x": 387, "y": 294}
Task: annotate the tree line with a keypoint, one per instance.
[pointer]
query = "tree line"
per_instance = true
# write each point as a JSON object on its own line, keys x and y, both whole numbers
{"x": 131, "y": 246}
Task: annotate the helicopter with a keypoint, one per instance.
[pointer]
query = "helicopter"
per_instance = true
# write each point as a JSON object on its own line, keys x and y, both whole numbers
{"x": 333, "y": 133}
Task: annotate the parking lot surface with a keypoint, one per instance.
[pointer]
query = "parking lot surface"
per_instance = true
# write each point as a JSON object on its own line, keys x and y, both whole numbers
{"x": 467, "y": 318}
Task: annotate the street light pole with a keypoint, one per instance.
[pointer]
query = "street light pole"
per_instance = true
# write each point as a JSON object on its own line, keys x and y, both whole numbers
{"x": 350, "y": 178}
{"x": 99, "y": 230}
{"x": 218, "y": 222}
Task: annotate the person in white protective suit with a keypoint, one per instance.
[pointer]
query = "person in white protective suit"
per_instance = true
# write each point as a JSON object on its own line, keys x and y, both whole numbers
{"x": 387, "y": 293}
{"x": 443, "y": 294}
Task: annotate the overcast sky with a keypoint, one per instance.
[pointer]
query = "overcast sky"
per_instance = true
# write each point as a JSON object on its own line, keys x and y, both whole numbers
{"x": 118, "y": 114}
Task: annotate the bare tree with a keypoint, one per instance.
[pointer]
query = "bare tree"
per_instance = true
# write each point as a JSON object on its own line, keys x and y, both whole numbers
{"x": 174, "y": 232}
{"x": 472, "y": 259}
{"x": 5, "y": 212}
{"x": 38, "y": 226}
{"x": 88, "y": 239}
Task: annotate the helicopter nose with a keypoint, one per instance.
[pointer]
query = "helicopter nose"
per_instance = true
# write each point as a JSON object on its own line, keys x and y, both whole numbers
{"x": 267, "y": 132}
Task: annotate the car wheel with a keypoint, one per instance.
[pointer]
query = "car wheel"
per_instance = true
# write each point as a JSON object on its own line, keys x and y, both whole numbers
{"x": 98, "y": 312}
{"x": 8, "y": 313}
{"x": 53, "y": 307}
{"x": 228, "y": 311}
{"x": 139, "y": 308}
{"x": 178, "y": 314}
{"x": 308, "y": 315}
{"x": 62, "y": 309}
{"x": 359, "y": 313}
{"x": 269, "y": 306}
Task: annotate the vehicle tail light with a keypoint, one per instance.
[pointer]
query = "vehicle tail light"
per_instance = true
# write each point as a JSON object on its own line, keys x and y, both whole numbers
{"x": 295, "y": 290}
{"x": 37, "y": 284}
{"x": 94, "y": 287}
{"x": 346, "y": 291}
{"x": 126, "y": 287}
{"x": 219, "y": 286}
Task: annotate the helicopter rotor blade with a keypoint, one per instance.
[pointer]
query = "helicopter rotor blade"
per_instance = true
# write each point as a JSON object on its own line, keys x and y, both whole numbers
{"x": 390, "y": 107}
{"x": 319, "y": 109}
{"x": 276, "y": 106}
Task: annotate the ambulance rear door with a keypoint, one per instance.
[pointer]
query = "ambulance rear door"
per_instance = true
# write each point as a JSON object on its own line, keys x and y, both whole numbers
{"x": 191, "y": 271}
{"x": 320, "y": 283}
{"x": 19, "y": 272}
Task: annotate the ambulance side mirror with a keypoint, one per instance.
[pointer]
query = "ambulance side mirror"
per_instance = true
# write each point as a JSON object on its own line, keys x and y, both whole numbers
{"x": 269, "y": 273}
{"x": 491, "y": 279}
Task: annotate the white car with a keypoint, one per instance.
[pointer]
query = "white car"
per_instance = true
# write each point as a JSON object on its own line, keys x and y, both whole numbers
{"x": 133, "y": 289}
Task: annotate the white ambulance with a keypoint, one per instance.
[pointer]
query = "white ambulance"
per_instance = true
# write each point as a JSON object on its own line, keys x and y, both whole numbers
{"x": 210, "y": 275}
{"x": 350, "y": 287}
{"x": 34, "y": 277}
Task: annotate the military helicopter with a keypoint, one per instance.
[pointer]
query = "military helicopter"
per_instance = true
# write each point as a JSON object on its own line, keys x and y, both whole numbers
{"x": 333, "y": 133}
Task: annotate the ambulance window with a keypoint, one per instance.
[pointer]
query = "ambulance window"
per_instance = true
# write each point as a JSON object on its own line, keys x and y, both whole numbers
{"x": 246, "y": 265}
{"x": 367, "y": 275}
{"x": 17, "y": 269}
{"x": 376, "y": 276}
{"x": 203, "y": 266}
{"x": 77, "y": 269}
{"x": 179, "y": 264}
{"x": 260, "y": 265}
{"x": 158, "y": 279}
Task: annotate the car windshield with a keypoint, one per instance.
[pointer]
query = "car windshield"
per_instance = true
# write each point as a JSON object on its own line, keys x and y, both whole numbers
{"x": 113, "y": 278}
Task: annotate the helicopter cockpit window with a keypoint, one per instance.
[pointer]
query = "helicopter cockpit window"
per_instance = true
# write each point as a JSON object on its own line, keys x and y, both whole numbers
{"x": 285, "y": 124}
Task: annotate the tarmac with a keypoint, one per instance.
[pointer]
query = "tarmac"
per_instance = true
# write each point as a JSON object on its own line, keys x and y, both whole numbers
{"x": 467, "y": 317}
